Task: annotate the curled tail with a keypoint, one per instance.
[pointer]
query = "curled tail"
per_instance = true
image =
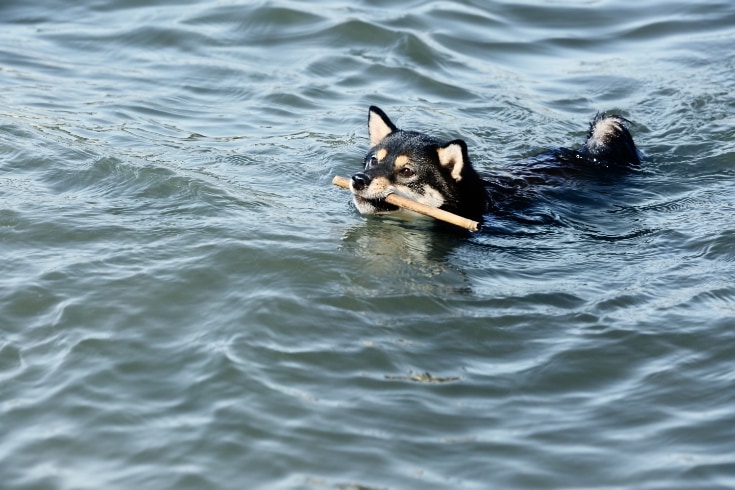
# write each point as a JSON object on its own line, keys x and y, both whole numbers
{"x": 609, "y": 142}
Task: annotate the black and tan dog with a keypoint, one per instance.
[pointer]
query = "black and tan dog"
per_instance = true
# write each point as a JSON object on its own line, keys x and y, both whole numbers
{"x": 439, "y": 174}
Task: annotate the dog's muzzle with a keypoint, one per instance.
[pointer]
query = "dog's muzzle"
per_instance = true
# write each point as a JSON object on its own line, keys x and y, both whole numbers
{"x": 360, "y": 181}
{"x": 364, "y": 200}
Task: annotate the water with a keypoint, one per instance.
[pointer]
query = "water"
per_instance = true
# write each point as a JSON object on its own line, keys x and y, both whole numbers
{"x": 187, "y": 303}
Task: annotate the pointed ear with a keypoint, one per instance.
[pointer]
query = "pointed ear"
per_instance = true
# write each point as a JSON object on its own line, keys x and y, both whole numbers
{"x": 379, "y": 126}
{"x": 454, "y": 157}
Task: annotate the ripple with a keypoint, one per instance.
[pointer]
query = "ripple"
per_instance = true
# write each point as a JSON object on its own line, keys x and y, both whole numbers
{"x": 186, "y": 302}
{"x": 11, "y": 361}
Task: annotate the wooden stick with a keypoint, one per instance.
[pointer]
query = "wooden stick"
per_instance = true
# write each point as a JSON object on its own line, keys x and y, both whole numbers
{"x": 417, "y": 207}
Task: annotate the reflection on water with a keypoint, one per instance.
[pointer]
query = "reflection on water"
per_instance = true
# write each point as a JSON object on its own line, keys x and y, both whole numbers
{"x": 186, "y": 301}
{"x": 395, "y": 255}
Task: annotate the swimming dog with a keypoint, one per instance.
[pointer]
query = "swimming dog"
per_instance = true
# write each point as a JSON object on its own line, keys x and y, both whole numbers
{"x": 440, "y": 174}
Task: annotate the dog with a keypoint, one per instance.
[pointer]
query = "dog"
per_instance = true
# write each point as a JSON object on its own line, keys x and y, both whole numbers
{"x": 439, "y": 174}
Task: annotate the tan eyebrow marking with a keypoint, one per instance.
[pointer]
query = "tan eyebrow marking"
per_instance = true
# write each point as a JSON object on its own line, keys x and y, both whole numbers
{"x": 401, "y": 161}
{"x": 382, "y": 153}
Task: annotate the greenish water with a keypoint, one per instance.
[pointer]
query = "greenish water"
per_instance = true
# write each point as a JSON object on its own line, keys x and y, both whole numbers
{"x": 186, "y": 302}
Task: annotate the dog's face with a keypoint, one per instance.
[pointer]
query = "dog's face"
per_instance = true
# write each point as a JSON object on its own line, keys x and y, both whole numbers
{"x": 409, "y": 164}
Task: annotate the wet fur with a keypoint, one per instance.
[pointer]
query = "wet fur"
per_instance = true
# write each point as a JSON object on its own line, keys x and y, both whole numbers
{"x": 440, "y": 174}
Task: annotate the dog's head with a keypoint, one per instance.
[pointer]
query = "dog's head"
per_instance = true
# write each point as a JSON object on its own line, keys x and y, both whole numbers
{"x": 416, "y": 166}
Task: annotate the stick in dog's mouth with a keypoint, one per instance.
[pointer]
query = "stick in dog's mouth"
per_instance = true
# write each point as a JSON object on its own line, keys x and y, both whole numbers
{"x": 378, "y": 205}
{"x": 417, "y": 207}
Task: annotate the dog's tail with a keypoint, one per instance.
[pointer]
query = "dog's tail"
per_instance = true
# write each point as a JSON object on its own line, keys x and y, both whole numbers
{"x": 609, "y": 142}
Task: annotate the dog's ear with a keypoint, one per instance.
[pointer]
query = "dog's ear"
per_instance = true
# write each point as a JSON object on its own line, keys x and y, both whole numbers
{"x": 454, "y": 157}
{"x": 379, "y": 125}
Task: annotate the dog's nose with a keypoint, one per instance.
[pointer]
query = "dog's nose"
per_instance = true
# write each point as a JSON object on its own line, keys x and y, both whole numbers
{"x": 360, "y": 181}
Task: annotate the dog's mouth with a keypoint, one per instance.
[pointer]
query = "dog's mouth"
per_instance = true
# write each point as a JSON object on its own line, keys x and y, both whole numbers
{"x": 369, "y": 194}
{"x": 372, "y": 206}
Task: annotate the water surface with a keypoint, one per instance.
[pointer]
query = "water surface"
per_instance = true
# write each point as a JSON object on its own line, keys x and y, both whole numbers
{"x": 187, "y": 303}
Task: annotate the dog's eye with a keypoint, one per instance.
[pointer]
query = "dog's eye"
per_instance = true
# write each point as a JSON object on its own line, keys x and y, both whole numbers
{"x": 371, "y": 162}
{"x": 407, "y": 172}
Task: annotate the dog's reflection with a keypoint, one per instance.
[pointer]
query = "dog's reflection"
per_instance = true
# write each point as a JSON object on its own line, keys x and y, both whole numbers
{"x": 404, "y": 254}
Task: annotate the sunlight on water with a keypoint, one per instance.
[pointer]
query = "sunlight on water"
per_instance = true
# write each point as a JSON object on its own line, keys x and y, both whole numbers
{"x": 187, "y": 302}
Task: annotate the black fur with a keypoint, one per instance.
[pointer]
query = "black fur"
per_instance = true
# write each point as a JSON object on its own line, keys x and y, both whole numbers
{"x": 613, "y": 148}
{"x": 440, "y": 174}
